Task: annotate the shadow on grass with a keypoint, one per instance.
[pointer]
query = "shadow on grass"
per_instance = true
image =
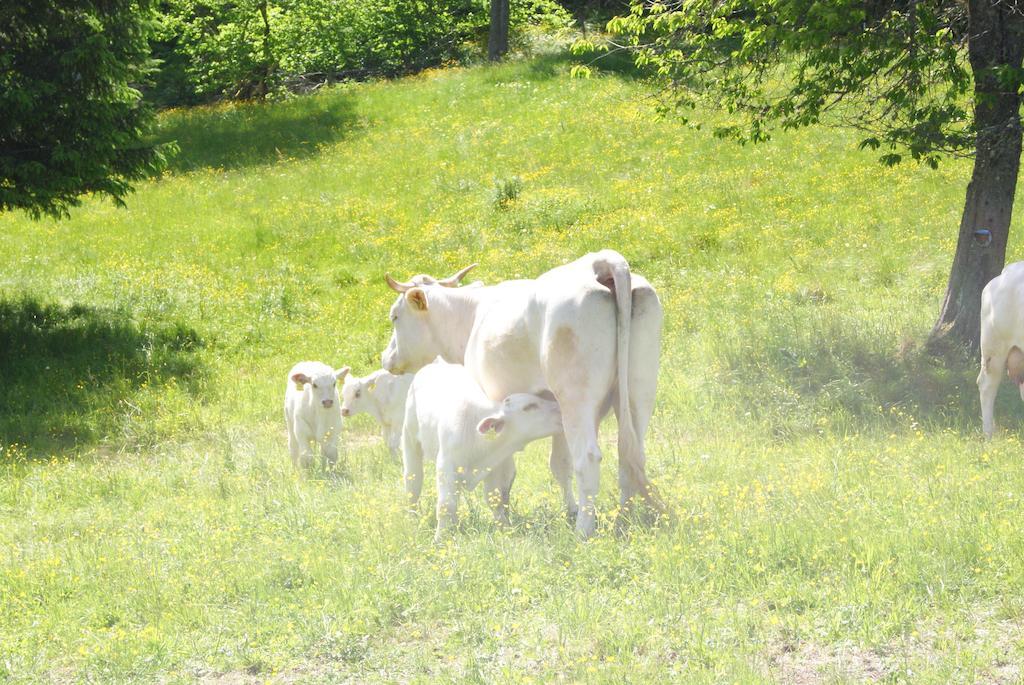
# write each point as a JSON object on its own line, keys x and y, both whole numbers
{"x": 236, "y": 135}
{"x": 801, "y": 374}
{"x": 68, "y": 373}
{"x": 554, "y": 64}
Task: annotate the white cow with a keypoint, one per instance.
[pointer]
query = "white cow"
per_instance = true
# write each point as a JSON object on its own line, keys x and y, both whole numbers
{"x": 312, "y": 412}
{"x": 448, "y": 418}
{"x": 382, "y": 396}
{"x": 589, "y": 332}
{"x": 1002, "y": 338}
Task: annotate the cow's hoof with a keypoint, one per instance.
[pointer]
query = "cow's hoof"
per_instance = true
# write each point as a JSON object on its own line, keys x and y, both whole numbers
{"x": 570, "y": 516}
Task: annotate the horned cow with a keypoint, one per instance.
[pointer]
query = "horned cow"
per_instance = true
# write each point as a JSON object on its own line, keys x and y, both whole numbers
{"x": 589, "y": 332}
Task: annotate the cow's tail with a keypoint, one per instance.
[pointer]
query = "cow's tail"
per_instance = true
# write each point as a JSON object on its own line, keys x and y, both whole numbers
{"x": 612, "y": 270}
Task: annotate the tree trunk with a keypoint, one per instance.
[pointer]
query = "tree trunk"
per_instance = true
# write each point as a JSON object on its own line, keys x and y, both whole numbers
{"x": 996, "y": 39}
{"x": 267, "y": 67}
{"x": 497, "y": 40}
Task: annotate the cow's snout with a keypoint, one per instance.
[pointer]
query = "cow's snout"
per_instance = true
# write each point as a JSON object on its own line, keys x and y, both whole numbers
{"x": 344, "y": 411}
{"x": 327, "y": 403}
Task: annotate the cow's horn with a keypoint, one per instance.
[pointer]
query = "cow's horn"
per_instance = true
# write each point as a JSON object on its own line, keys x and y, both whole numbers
{"x": 454, "y": 279}
{"x": 396, "y": 285}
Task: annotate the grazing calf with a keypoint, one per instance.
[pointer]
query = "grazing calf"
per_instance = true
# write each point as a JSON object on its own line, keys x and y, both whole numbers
{"x": 382, "y": 396}
{"x": 450, "y": 419}
{"x": 1002, "y": 338}
{"x": 312, "y": 412}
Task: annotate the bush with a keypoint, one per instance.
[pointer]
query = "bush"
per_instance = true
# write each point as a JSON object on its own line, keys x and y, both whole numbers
{"x": 248, "y": 48}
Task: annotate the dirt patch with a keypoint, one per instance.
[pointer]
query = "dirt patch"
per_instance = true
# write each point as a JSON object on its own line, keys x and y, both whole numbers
{"x": 810, "y": 663}
{"x": 989, "y": 643}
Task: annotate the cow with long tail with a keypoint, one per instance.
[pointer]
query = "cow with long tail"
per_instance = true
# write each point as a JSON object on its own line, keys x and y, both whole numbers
{"x": 588, "y": 332}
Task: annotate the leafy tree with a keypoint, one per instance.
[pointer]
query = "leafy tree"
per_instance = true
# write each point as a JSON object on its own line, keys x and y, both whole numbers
{"x": 231, "y": 45}
{"x": 71, "y": 120}
{"x": 924, "y": 78}
{"x": 247, "y": 48}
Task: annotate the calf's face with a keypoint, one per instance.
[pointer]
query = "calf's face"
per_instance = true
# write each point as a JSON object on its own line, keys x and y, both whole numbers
{"x": 324, "y": 385}
{"x": 525, "y": 416}
{"x": 354, "y": 395}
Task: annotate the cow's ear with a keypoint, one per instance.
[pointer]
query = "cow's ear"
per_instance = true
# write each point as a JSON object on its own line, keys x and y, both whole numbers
{"x": 495, "y": 423}
{"x": 300, "y": 379}
{"x": 342, "y": 372}
{"x": 417, "y": 298}
{"x": 371, "y": 386}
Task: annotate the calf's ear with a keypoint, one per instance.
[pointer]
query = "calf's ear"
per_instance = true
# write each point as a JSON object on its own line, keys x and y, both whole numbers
{"x": 300, "y": 379}
{"x": 495, "y": 423}
{"x": 341, "y": 373}
{"x": 417, "y": 298}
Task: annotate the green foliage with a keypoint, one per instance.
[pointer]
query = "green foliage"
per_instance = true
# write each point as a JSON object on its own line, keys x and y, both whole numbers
{"x": 841, "y": 518}
{"x": 71, "y": 121}
{"x": 506, "y": 191}
{"x": 896, "y": 70}
{"x": 231, "y": 46}
{"x": 233, "y": 53}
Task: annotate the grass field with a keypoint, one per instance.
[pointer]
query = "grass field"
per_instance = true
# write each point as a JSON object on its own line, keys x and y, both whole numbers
{"x": 840, "y": 517}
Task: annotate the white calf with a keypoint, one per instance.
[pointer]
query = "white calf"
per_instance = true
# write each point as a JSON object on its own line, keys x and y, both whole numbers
{"x": 1002, "y": 338}
{"x": 312, "y": 412}
{"x": 382, "y": 396}
{"x": 450, "y": 419}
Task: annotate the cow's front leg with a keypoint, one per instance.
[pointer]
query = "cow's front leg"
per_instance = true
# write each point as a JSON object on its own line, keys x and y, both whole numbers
{"x": 498, "y": 488}
{"x": 412, "y": 470}
{"x": 561, "y": 469}
{"x": 992, "y": 367}
{"x": 393, "y": 439}
{"x": 293, "y": 446}
{"x": 306, "y": 457}
{"x": 330, "y": 450}
{"x": 447, "y": 498}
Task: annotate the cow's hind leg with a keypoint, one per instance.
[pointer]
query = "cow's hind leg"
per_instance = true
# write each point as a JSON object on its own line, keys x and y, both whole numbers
{"x": 581, "y": 434}
{"x": 561, "y": 468}
{"x": 992, "y": 367}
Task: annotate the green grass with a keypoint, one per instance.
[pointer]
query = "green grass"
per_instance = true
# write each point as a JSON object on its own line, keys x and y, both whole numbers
{"x": 840, "y": 517}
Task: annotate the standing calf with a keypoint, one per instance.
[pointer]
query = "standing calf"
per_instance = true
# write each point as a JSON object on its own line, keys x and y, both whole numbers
{"x": 449, "y": 418}
{"x": 382, "y": 396}
{"x": 1002, "y": 338}
{"x": 312, "y": 412}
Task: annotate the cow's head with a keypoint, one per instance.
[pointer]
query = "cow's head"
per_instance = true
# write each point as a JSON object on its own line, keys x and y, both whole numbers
{"x": 323, "y": 384}
{"x": 524, "y": 417}
{"x": 354, "y": 393}
{"x": 413, "y": 344}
